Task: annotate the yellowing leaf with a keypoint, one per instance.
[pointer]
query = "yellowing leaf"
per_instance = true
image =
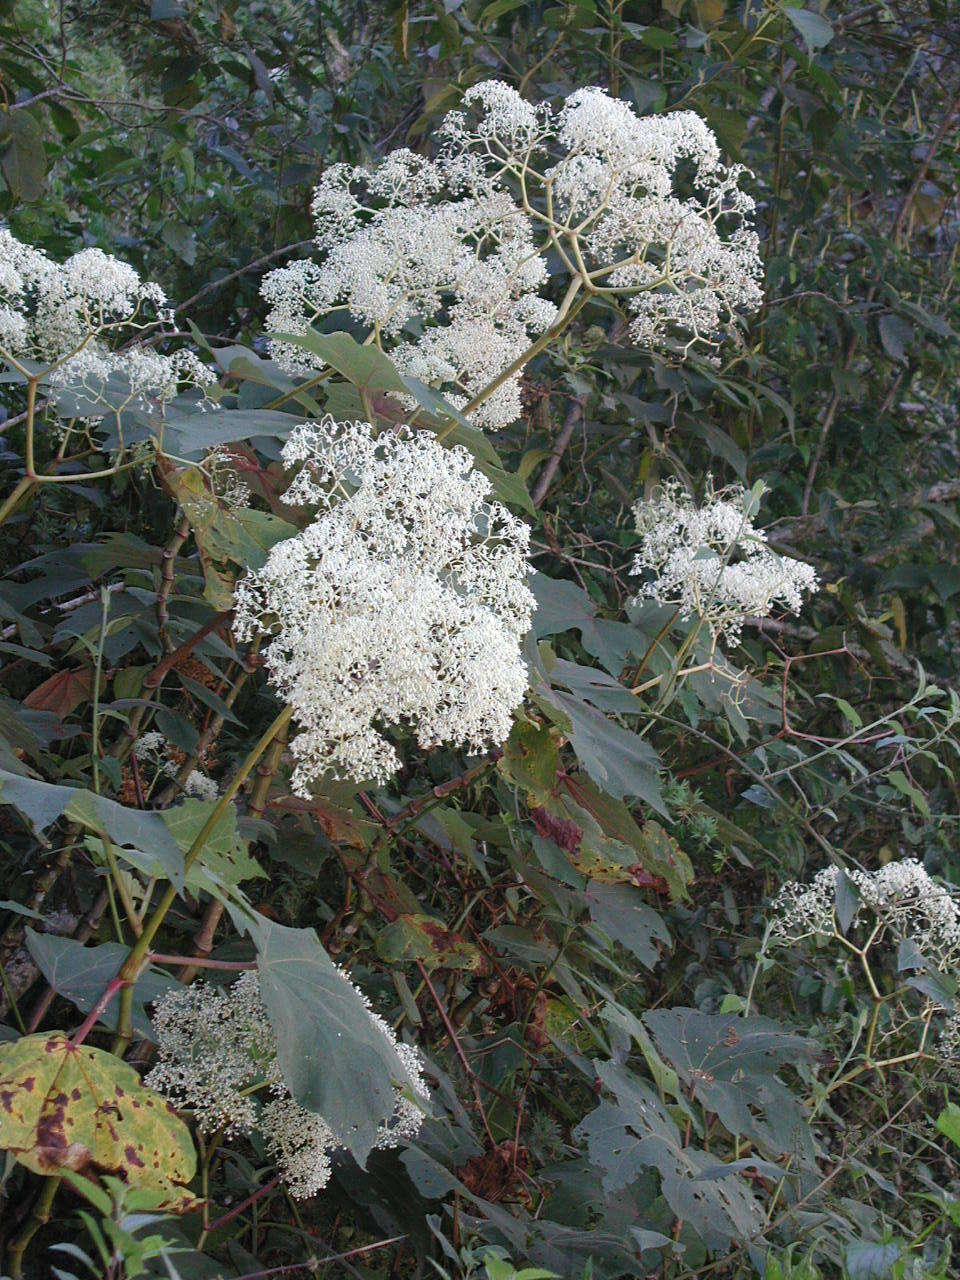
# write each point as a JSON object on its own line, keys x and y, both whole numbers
{"x": 75, "y": 1107}
{"x": 421, "y": 937}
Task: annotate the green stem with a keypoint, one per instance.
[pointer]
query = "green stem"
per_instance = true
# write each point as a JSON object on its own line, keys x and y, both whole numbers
{"x": 569, "y": 309}
{"x": 30, "y": 464}
{"x": 39, "y": 1217}
{"x": 98, "y": 668}
{"x": 138, "y": 952}
{"x": 12, "y": 501}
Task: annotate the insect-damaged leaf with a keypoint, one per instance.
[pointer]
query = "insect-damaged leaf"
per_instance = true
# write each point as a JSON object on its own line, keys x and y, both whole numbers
{"x": 730, "y": 1065}
{"x": 67, "y": 1107}
{"x": 637, "y": 1132}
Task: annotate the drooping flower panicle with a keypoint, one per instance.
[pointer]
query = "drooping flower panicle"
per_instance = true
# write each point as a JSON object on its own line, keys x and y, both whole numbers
{"x": 216, "y": 1051}
{"x": 403, "y": 602}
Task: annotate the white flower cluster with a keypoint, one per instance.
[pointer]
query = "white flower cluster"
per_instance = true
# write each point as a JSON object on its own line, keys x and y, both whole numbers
{"x": 217, "y": 1050}
{"x": 900, "y": 899}
{"x": 448, "y": 285}
{"x": 149, "y": 745}
{"x": 56, "y": 319}
{"x": 640, "y": 206}
{"x": 948, "y": 1044}
{"x": 152, "y": 747}
{"x": 712, "y": 562}
{"x": 221, "y": 465}
{"x": 442, "y": 260}
{"x": 404, "y": 602}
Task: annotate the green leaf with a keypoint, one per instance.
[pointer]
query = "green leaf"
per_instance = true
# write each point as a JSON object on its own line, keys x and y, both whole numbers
{"x": 80, "y": 974}
{"x": 814, "y": 28}
{"x": 23, "y": 162}
{"x": 44, "y": 802}
{"x": 897, "y": 778}
{"x": 895, "y": 335}
{"x": 497, "y": 8}
{"x": 18, "y": 909}
{"x": 424, "y": 938}
{"x": 620, "y": 911}
{"x": 729, "y": 1064}
{"x": 531, "y": 759}
{"x": 182, "y": 240}
{"x": 190, "y": 433}
{"x": 334, "y": 1058}
{"x": 366, "y": 367}
{"x": 224, "y": 854}
{"x": 637, "y": 1132}
{"x": 617, "y": 760}
{"x": 868, "y": 1260}
{"x": 948, "y": 1122}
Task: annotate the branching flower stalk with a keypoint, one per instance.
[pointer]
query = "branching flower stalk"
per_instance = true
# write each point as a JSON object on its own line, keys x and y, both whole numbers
{"x": 57, "y": 323}
{"x": 443, "y": 261}
{"x": 899, "y": 906}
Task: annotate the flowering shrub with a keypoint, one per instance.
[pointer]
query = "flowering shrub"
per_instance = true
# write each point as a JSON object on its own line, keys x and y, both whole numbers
{"x": 434, "y": 673}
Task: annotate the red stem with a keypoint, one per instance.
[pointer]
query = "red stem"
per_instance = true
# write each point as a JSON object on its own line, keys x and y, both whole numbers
{"x": 251, "y": 1199}
{"x": 160, "y": 957}
{"x": 111, "y": 989}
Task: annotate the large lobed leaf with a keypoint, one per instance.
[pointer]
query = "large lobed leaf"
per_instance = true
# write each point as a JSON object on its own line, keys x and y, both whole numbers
{"x": 75, "y": 1107}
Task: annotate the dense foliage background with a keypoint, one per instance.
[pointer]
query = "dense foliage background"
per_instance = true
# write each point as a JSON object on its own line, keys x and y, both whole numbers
{"x": 572, "y": 931}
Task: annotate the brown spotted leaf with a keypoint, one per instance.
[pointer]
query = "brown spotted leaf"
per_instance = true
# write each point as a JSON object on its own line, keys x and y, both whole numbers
{"x": 531, "y": 758}
{"x": 420, "y": 937}
{"x": 561, "y": 831}
{"x": 75, "y": 1107}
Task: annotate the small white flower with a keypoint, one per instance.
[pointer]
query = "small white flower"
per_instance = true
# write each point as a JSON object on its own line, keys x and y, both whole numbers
{"x": 151, "y": 743}
{"x": 678, "y": 248}
{"x": 199, "y": 785}
{"x": 216, "y": 1050}
{"x": 443, "y": 260}
{"x": 901, "y": 900}
{"x": 213, "y": 1043}
{"x": 404, "y": 602}
{"x": 712, "y": 562}
{"x": 62, "y": 317}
